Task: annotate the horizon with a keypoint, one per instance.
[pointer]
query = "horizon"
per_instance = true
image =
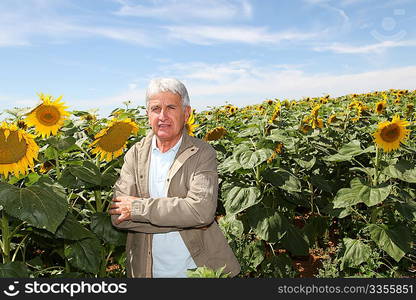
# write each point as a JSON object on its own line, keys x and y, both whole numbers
{"x": 99, "y": 54}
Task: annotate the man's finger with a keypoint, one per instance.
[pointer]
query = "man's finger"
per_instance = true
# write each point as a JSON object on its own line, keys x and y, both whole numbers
{"x": 113, "y": 212}
{"x": 120, "y": 219}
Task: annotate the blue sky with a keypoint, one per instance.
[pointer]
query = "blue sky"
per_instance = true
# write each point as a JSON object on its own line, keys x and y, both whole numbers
{"x": 100, "y": 53}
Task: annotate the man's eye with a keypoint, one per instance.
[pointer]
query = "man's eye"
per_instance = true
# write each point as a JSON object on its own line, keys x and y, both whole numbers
{"x": 155, "y": 109}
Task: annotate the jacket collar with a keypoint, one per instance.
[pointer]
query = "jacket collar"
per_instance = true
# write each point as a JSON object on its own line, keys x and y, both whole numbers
{"x": 186, "y": 150}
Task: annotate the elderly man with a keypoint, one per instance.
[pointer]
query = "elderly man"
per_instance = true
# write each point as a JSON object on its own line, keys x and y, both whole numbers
{"x": 166, "y": 195}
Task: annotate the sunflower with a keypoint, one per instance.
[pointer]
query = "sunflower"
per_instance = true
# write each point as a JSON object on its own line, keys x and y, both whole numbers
{"x": 315, "y": 110}
{"x": 381, "y": 106}
{"x": 276, "y": 113}
{"x": 18, "y": 150}
{"x": 190, "y": 124}
{"x": 48, "y": 117}
{"x": 317, "y": 123}
{"x": 46, "y": 166}
{"x": 332, "y": 119}
{"x": 390, "y": 134}
{"x": 215, "y": 134}
{"x": 232, "y": 110}
{"x": 111, "y": 141}
{"x": 305, "y": 128}
{"x": 409, "y": 109}
{"x": 397, "y": 100}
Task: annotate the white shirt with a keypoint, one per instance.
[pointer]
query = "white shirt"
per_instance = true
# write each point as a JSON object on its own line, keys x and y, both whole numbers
{"x": 171, "y": 258}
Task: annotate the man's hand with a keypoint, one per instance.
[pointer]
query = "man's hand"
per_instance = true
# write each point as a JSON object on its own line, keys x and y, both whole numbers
{"x": 122, "y": 206}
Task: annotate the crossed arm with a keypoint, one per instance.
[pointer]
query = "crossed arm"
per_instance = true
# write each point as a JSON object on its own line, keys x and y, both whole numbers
{"x": 156, "y": 215}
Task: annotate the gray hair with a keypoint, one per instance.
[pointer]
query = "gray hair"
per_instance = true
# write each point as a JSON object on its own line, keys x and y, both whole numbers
{"x": 172, "y": 85}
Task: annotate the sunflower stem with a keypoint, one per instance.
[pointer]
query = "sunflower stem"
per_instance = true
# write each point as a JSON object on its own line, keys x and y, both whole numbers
{"x": 98, "y": 201}
{"x": 5, "y": 233}
{"x": 376, "y": 166}
{"x": 85, "y": 152}
{"x": 57, "y": 166}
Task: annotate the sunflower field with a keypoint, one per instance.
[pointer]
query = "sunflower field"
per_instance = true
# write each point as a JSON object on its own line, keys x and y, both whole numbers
{"x": 312, "y": 187}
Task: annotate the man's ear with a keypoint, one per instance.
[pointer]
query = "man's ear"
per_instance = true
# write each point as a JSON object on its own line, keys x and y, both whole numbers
{"x": 187, "y": 113}
{"x": 148, "y": 117}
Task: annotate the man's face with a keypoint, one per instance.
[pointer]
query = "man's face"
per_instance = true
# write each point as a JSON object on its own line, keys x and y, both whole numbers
{"x": 166, "y": 115}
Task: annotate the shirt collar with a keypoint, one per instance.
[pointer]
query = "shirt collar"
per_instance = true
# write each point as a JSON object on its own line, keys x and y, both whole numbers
{"x": 174, "y": 148}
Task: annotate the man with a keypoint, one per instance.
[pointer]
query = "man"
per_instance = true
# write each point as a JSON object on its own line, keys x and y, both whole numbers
{"x": 166, "y": 195}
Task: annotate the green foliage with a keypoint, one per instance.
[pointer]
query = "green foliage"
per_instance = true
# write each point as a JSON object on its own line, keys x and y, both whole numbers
{"x": 204, "y": 272}
{"x": 287, "y": 187}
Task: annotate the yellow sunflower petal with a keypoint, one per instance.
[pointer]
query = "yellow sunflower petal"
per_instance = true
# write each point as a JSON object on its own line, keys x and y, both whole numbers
{"x": 110, "y": 142}
{"x": 17, "y": 150}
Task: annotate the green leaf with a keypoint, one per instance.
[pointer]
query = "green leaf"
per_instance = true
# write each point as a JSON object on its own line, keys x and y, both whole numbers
{"x": 108, "y": 180}
{"x": 277, "y": 266}
{"x": 248, "y": 159}
{"x": 86, "y": 255}
{"x": 41, "y": 205}
{"x": 14, "y": 269}
{"x": 294, "y": 240}
{"x": 314, "y": 228}
{"x": 306, "y": 164}
{"x": 282, "y": 179}
{"x": 51, "y": 153}
{"x": 348, "y": 151}
{"x": 403, "y": 170}
{"x": 66, "y": 144}
{"x": 102, "y": 227}
{"x": 89, "y": 172}
{"x": 240, "y": 198}
{"x": 395, "y": 241}
{"x": 229, "y": 165}
{"x": 267, "y": 225}
{"x": 253, "y": 255}
{"x": 360, "y": 193}
{"x": 407, "y": 209}
{"x": 33, "y": 178}
{"x": 231, "y": 227}
{"x": 250, "y": 131}
{"x": 205, "y": 272}
{"x": 71, "y": 229}
{"x": 356, "y": 252}
{"x": 323, "y": 184}
{"x": 278, "y": 135}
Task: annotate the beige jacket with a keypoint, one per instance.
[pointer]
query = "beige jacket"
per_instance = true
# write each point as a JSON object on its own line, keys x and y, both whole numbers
{"x": 189, "y": 207}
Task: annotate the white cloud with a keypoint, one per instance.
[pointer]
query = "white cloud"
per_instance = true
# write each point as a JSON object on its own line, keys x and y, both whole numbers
{"x": 373, "y": 48}
{"x": 189, "y": 9}
{"x": 206, "y": 35}
{"x": 243, "y": 82}
{"x": 21, "y": 26}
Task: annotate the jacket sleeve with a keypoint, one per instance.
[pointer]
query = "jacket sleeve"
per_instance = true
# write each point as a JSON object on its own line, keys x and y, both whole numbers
{"x": 126, "y": 186}
{"x": 197, "y": 209}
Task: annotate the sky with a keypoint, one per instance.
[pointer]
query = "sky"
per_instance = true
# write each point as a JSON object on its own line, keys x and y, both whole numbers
{"x": 98, "y": 54}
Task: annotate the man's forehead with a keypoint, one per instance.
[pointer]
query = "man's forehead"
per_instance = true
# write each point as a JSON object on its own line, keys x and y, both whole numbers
{"x": 165, "y": 96}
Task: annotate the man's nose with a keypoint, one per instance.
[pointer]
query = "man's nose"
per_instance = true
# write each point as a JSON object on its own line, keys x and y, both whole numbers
{"x": 162, "y": 115}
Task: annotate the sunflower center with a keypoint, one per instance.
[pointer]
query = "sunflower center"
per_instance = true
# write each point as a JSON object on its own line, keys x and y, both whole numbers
{"x": 48, "y": 115}
{"x": 379, "y": 107}
{"x": 115, "y": 137}
{"x": 390, "y": 133}
{"x": 11, "y": 149}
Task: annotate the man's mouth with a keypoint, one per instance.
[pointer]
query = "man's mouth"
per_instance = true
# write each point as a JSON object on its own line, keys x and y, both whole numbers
{"x": 163, "y": 125}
